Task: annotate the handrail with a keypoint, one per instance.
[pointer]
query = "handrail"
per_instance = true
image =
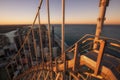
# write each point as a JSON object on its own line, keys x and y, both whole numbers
{"x": 89, "y": 35}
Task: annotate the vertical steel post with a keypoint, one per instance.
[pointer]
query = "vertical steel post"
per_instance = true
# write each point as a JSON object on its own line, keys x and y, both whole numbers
{"x": 41, "y": 44}
{"x": 99, "y": 57}
{"x": 49, "y": 36}
{"x": 62, "y": 45}
{"x": 63, "y": 22}
{"x": 103, "y": 4}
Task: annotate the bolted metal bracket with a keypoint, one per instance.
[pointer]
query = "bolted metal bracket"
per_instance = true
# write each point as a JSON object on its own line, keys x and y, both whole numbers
{"x": 104, "y": 3}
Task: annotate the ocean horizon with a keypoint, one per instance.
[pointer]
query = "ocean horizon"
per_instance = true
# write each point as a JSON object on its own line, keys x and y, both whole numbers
{"x": 74, "y": 32}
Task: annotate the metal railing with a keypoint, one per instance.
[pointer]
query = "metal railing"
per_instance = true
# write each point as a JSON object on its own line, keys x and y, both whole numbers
{"x": 84, "y": 45}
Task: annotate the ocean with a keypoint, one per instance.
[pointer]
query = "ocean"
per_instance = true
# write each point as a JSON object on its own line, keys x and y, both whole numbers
{"x": 73, "y": 32}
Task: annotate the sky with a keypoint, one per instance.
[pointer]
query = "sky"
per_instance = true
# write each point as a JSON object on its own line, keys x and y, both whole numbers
{"x": 76, "y": 11}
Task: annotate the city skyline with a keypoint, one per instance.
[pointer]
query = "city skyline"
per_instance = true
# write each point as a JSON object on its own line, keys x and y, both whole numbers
{"x": 77, "y": 11}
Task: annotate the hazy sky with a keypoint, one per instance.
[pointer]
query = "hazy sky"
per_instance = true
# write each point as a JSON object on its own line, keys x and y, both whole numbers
{"x": 77, "y": 11}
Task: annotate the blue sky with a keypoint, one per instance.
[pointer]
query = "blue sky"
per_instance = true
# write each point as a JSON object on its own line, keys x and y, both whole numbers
{"x": 77, "y": 11}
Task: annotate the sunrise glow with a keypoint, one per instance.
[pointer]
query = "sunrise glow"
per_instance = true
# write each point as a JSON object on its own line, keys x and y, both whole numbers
{"x": 77, "y": 12}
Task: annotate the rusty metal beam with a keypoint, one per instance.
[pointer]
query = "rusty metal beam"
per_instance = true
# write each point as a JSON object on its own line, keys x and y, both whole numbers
{"x": 100, "y": 55}
{"x": 103, "y": 5}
